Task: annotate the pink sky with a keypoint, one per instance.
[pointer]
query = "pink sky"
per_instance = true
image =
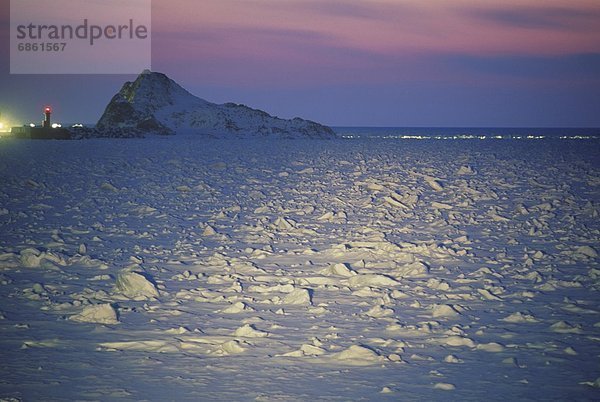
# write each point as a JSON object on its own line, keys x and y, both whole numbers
{"x": 343, "y": 39}
{"x": 379, "y": 62}
{"x": 547, "y": 27}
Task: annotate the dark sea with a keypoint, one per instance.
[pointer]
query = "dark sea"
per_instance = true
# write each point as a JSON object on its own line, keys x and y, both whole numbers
{"x": 470, "y": 133}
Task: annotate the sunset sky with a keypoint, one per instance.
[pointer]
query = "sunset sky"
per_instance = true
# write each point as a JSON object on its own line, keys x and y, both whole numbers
{"x": 358, "y": 62}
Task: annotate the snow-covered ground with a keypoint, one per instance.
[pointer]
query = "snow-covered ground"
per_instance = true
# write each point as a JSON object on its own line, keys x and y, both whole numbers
{"x": 181, "y": 269}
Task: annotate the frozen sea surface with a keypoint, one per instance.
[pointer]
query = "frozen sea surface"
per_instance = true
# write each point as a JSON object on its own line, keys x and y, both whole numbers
{"x": 179, "y": 269}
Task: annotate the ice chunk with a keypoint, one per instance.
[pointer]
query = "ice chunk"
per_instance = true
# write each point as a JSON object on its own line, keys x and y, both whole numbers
{"x": 465, "y": 170}
{"x": 236, "y": 308}
{"x": 394, "y": 202}
{"x": 98, "y": 313}
{"x": 444, "y": 310}
{"x": 586, "y": 251}
{"x": 232, "y": 347}
{"x": 452, "y": 359}
{"x": 414, "y": 269}
{"x": 490, "y": 347}
{"x": 444, "y": 386}
{"x": 327, "y": 217}
{"x": 519, "y": 317}
{"x": 358, "y": 355}
{"x": 298, "y": 296}
{"x": 109, "y": 187}
{"x": 135, "y": 285}
{"x": 249, "y": 331}
{"x": 563, "y": 327}
{"x": 379, "y": 311}
{"x": 434, "y": 183}
{"x": 375, "y": 280}
{"x": 441, "y": 205}
{"x": 283, "y": 223}
{"x": 595, "y": 384}
{"x": 338, "y": 270}
{"x": 209, "y": 231}
{"x": 487, "y": 295}
{"x": 455, "y": 340}
{"x": 155, "y": 345}
{"x": 305, "y": 350}
{"x": 31, "y": 258}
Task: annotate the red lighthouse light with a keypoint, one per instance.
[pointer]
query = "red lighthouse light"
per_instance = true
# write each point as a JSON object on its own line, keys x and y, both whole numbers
{"x": 47, "y": 112}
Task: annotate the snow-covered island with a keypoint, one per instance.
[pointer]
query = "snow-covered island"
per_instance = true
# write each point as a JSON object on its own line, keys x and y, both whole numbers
{"x": 155, "y": 104}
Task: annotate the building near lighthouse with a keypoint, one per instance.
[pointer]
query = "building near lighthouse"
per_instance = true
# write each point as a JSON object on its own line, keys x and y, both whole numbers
{"x": 47, "y": 131}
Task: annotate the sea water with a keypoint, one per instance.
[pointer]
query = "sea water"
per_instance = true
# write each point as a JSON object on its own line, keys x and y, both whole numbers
{"x": 468, "y": 133}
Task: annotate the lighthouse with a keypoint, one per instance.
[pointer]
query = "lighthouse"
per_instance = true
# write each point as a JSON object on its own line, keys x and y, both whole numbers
{"x": 47, "y": 113}
{"x": 46, "y": 132}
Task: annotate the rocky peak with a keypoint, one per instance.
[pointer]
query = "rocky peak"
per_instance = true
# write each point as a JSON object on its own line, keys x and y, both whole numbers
{"x": 156, "y": 104}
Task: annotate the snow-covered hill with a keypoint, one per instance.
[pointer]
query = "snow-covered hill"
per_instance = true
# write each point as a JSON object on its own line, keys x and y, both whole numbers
{"x": 156, "y": 104}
